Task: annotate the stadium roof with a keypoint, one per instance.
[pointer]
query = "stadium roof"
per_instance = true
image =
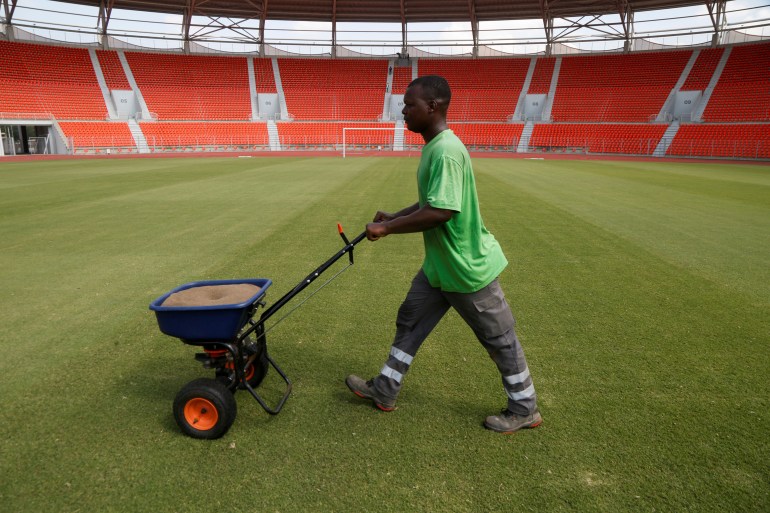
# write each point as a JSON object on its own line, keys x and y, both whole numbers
{"x": 477, "y": 28}
{"x": 397, "y": 11}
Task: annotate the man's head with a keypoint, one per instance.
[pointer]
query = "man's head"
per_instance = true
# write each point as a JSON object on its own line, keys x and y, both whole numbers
{"x": 425, "y": 105}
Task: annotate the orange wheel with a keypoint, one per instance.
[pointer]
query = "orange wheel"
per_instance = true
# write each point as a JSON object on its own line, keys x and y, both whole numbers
{"x": 201, "y": 413}
{"x": 205, "y": 408}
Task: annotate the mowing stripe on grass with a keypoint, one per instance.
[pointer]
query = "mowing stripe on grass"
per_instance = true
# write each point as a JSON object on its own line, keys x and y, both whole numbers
{"x": 640, "y": 293}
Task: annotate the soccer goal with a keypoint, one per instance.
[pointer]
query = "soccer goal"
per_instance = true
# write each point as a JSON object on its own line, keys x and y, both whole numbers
{"x": 352, "y": 136}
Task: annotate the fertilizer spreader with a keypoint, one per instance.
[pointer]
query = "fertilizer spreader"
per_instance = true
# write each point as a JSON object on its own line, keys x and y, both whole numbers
{"x": 234, "y": 345}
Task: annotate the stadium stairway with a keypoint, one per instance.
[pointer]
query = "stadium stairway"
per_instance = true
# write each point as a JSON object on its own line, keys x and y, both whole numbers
{"x": 518, "y": 114}
{"x": 102, "y": 84}
{"x": 134, "y": 85}
{"x": 388, "y": 91}
{"x": 548, "y": 107}
{"x": 398, "y": 136}
{"x": 252, "y": 89}
{"x": 136, "y": 132}
{"x": 526, "y": 135}
{"x": 666, "y": 140}
{"x": 272, "y": 133}
{"x": 285, "y": 116}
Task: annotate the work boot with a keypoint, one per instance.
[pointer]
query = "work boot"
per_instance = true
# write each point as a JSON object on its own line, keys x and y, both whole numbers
{"x": 508, "y": 422}
{"x": 366, "y": 390}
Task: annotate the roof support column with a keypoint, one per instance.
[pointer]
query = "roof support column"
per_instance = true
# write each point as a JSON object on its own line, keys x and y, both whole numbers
{"x": 262, "y": 19}
{"x": 8, "y": 6}
{"x": 334, "y": 29}
{"x": 404, "y": 51}
{"x": 105, "y": 12}
{"x": 718, "y": 19}
{"x": 626, "y": 13}
{"x": 186, "y": 21}
{"x": 547, "y": 26}
{"x": 474, "y": 26}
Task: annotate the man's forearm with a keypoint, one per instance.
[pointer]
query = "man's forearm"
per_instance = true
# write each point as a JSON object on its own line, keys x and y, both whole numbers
{"x": 408, "y": 220}
{"x": 418, "y": 220}
{"x": 411, "y": 209}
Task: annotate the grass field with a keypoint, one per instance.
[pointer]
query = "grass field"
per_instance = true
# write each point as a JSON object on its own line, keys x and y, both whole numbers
{"x": 641, "y": 291}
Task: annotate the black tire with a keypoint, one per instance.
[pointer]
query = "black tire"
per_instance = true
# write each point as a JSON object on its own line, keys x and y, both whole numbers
{"x": 205, "y": 409}
{"x": 255, "y": 373}
{"x": 261, "y": 365}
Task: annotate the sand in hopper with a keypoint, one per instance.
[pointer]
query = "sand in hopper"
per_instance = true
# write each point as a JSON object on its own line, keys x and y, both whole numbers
{"x": 210, "y": 295}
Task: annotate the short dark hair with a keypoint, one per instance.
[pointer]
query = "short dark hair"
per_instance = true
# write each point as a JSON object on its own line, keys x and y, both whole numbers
{"x": 434, "y": 86}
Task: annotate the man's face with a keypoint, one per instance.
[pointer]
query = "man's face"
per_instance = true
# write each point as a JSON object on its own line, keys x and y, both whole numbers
{"x": 416, "y": 111}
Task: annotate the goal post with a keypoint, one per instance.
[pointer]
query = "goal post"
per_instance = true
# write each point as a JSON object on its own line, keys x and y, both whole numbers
{"x": 397, "y": 131}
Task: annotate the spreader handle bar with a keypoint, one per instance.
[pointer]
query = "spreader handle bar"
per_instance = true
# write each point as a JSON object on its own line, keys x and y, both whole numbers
{"x": 310, "y": 278}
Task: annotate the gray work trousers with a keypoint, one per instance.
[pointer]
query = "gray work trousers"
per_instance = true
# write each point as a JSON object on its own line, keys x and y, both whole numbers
{"x": 488, "y": 315}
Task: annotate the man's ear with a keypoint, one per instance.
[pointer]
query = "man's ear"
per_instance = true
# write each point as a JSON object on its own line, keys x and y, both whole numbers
{"x": 432, "y": 104}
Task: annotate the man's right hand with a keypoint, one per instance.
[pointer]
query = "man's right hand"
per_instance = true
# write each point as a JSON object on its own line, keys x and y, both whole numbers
{"x": 376, "y": 230}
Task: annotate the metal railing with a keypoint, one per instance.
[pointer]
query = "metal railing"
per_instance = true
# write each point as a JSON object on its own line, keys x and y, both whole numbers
{"x": 692, "y": 148}
{"x": 46, "y": 116}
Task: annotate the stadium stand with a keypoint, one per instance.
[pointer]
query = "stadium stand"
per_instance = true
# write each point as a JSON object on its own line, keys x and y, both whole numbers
{"x": 603, "y": 103}
{"x": 112, "y": 70}
{"x": 743, "y": 90}
{"x": 167, "y": 136}
{"x": 97, "y": 136}
{"x": 45, "y": 80}
{"x": 482, "y": 90}
{"x": 616, "y": 88}
{"x": 735, "y": 141}
{"x": 640, "y": 139}
{"x": 334, "y": 89}
{"x": 193, "y": 87}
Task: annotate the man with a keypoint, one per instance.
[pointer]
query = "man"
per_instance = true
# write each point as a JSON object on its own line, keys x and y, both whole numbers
{"x": 460, "y": 270}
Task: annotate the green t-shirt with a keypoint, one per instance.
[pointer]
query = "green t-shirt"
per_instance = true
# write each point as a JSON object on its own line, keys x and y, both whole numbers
{"x": 460, "y": 255}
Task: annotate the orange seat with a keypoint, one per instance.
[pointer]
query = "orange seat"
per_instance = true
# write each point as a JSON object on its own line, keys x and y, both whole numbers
{"x": 616, "y": 88}
{"x": 193, "y": 87}
{"x": 734, "y": 141}
{"x": 98, "y": 134}
{"x": 334, "y": 89}
{"x": 56, "y": 80}
{"x": 597, "y": 138}
{"x": 743, "y": 90}
{"x": 224, "y": 136}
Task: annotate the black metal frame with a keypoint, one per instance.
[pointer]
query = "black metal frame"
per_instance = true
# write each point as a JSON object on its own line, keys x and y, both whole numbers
{"x": 238, "y": 347}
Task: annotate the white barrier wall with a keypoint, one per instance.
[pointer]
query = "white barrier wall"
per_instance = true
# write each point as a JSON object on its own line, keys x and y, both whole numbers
{"x": 685, "y": 102}
{"x": 268, "y": 105}
{"x": 396, "y": 106}
{"x": 533, "y": 106}
{"x": 126, "y": 105}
